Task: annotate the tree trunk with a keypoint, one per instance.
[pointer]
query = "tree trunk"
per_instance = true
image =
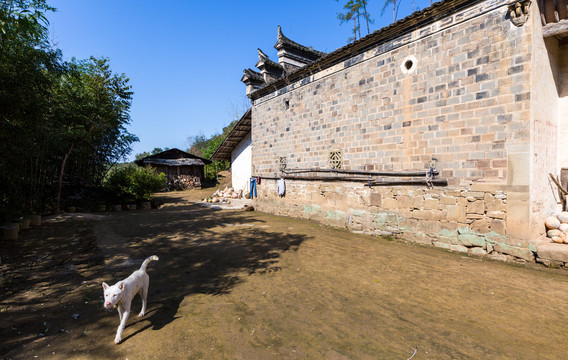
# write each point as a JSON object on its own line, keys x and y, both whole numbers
{"x": 60, "y": 179}
{"x": 393, "y": 10}
{"x": 354, "y": 28}
{"x": 366, "y": 14}
{"x": 359, "y": 21}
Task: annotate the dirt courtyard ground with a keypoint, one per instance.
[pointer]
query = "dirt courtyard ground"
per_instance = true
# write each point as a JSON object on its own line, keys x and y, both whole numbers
{"x": 232, "y": 284}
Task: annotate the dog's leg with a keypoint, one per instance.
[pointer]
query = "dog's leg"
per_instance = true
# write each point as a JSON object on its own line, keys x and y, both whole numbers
{"x": 122, "y": 325}
{"x": 119, "y": 313}
{"x": 143, "y": 295}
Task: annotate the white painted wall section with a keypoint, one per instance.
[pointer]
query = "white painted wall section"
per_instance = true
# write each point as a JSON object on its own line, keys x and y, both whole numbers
{"x": 241, "y": 164}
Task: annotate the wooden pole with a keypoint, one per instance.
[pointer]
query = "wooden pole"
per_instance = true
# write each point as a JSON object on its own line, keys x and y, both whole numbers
{"x": 414, "y": 173}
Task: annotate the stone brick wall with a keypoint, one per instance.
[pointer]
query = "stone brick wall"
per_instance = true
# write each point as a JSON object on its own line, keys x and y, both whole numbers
{"x": 469, "y": 221}
{"x": 464, "y": 100}
{"x": 544, "y": 124}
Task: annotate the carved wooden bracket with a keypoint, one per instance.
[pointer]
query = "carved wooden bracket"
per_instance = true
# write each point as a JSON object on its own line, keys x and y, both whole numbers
{"x": 519, "y": 11}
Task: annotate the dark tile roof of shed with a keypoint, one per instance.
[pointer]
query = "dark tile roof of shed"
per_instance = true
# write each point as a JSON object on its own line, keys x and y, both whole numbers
{"x": 172, "y": 154}
{"x": 401, "y": 27}
{"x": 174, "y": 162}
{"x": 238, "y": 133}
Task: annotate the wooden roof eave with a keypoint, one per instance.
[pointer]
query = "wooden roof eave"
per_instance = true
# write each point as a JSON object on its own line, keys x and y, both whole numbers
{"x": 236, "y": 135}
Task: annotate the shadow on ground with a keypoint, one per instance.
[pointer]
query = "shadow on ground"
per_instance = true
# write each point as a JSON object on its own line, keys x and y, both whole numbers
{"x": 51, "y": 277}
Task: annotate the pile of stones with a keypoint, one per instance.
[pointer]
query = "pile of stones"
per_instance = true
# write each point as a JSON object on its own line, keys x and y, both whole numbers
{"x": 557, "y": 227}
{"x": 223, "y": 195}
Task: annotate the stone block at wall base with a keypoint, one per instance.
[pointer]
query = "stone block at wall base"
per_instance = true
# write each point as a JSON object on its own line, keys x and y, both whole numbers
{"x": 519, "y": 252}
{"x": 551, "y": 252}
{"x": 416, "y": 237}
{"x": 518, "y": 215}
{"x": 477, "y": 251}
{"x": 498, "y": 257}
{"x": 441, "y": 245}
{"x": 470, "y": 240}
{"x": 458, "y": 248}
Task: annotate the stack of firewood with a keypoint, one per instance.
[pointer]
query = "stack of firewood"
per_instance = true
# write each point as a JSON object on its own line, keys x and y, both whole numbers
{"x": 184, "y": 183}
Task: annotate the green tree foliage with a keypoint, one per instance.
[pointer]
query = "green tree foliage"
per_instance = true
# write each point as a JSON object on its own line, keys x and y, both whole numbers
{"x": 356, "y": 10}
{"x": 129, "y": 183}
{"x": 91, "y": 110}
{"x": 61, "y": 123}
{"x": 23, "y": 21}
{"x": 205, "y": 147}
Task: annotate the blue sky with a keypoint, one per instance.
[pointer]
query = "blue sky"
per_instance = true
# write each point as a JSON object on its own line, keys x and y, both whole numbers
{"x": 185, "y": 59}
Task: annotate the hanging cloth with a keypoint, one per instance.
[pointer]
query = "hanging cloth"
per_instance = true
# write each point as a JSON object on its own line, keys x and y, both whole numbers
{"x": 253, "y": 187}
{"x": 281, "y": 187}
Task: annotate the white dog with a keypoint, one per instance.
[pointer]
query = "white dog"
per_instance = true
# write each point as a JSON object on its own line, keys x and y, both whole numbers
{"x": 120, "y": 295}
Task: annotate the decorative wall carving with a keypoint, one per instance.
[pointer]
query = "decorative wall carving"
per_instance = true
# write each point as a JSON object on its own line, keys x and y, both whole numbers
{"x": 519, "y": 11}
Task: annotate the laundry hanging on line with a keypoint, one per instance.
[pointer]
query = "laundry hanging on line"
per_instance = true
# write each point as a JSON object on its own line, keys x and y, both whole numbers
{"x": 253, "y": 187}
{"x": 281, "y": 187}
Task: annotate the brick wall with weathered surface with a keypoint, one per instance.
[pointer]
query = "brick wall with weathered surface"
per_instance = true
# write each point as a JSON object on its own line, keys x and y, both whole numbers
{"x": 465, "y": 102}
{"x": 544, "y": 125}
{"x": 460, "y": 220}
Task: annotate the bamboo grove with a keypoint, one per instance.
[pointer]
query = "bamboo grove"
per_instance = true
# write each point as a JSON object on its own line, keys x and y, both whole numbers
{"x": 62, "y": 123}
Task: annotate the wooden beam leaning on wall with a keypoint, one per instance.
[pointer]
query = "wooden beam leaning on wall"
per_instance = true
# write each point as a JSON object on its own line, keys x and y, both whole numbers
{"x": 555, "y": 29}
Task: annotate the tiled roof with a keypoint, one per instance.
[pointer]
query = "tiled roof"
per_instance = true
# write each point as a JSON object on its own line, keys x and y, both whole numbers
{"x": 174, "y": 162}
{"x": 264, "y": 60}
{"x": 171, "y": 154}
{"x": 282, "y": 42}
{"x": 410, "y": 23}
{"x": 238, "y": 133}
{"x": 252, "y": 75}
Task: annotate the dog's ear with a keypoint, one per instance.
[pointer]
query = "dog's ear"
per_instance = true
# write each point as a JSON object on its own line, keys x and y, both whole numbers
{"x": 105, "y": 286}
{"x": 121, "y": 285}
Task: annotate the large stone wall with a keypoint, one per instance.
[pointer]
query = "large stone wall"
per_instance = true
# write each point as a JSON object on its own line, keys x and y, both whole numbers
{"x": 543, "y": 155}
{"x": 469, "y": 221}
{"x": 464, "y": 99}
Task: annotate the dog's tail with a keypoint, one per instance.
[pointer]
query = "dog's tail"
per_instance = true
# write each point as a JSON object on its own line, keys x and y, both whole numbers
{"x": 147, "y": 261}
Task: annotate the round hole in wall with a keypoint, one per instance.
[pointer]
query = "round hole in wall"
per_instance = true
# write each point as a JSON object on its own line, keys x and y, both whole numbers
{"x": 408, "y": 65}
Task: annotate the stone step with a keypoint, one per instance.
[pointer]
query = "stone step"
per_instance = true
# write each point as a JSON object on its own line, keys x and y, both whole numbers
{"x": 551, "y": 253}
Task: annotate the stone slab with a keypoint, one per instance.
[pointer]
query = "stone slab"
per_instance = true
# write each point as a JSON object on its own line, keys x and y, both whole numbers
{"x": 548, "y": 250}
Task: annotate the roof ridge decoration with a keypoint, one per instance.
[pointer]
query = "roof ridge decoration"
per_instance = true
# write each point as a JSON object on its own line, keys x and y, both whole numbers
{"x": 293, "y": 56}
{"x": 418, "y": 19}
{"x": 263, "y": 59}
{"x": 283, "y": 41}
{"x": 252, "y": 75}
{"x": 253, "y": 80}
{"x": 270, "y": 70}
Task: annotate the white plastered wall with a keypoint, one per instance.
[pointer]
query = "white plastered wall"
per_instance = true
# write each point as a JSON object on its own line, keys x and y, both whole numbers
{"x": 241, "y": 164}
{"x": 563, "y": 106}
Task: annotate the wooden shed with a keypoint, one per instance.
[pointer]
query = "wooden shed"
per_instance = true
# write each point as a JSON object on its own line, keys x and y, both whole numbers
{"x": 183, "y": 170}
